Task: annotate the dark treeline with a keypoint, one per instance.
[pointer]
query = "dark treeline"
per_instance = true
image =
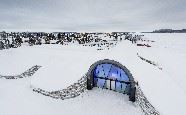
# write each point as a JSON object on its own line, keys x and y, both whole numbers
{"x": 167, "y": 31}
{"x": 15, "y": 39}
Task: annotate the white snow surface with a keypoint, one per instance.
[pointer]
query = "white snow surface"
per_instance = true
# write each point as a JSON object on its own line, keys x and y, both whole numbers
{"x": 64, "y": 65}
{"x": 18, "y": 99}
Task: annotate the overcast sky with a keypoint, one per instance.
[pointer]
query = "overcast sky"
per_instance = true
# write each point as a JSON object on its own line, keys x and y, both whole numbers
{"x": 91, "y": 15}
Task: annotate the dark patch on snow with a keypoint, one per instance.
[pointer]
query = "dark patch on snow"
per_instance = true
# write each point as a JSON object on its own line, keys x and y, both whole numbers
{"x": 150, "y": 62}
{"x": 27, "y": 73}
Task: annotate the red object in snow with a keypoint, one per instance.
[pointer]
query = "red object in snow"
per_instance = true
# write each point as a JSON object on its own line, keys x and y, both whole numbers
{"x": 147, "y": 45}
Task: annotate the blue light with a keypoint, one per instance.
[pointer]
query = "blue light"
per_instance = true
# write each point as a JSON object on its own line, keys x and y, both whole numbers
{"x": 109, "y": 72}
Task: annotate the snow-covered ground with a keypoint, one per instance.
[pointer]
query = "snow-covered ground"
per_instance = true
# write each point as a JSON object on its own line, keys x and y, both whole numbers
{"x": 166, "y": 88}
{"x": 64, "y": 65}
{"x": 17, "y": 99}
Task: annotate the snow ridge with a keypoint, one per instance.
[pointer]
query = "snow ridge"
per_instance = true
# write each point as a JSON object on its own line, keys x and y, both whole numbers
{"x": 143, "y": 103}
{"x": 72, "y": 91}
{"x": 27, "y": 73}
{"x": 77, "y": 88}
{"x": 149, "y": 61}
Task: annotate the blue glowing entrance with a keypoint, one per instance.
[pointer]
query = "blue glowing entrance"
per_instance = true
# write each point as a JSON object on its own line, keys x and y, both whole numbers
{"x": 110, "y": 76}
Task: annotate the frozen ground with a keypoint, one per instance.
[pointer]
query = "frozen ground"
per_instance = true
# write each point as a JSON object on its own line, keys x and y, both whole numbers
{"x": 64, "y": 65}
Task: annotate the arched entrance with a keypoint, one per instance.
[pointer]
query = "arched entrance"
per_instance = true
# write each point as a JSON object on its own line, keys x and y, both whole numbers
{"x": 111, "y": 77}
{"x": 110, "y": 74}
